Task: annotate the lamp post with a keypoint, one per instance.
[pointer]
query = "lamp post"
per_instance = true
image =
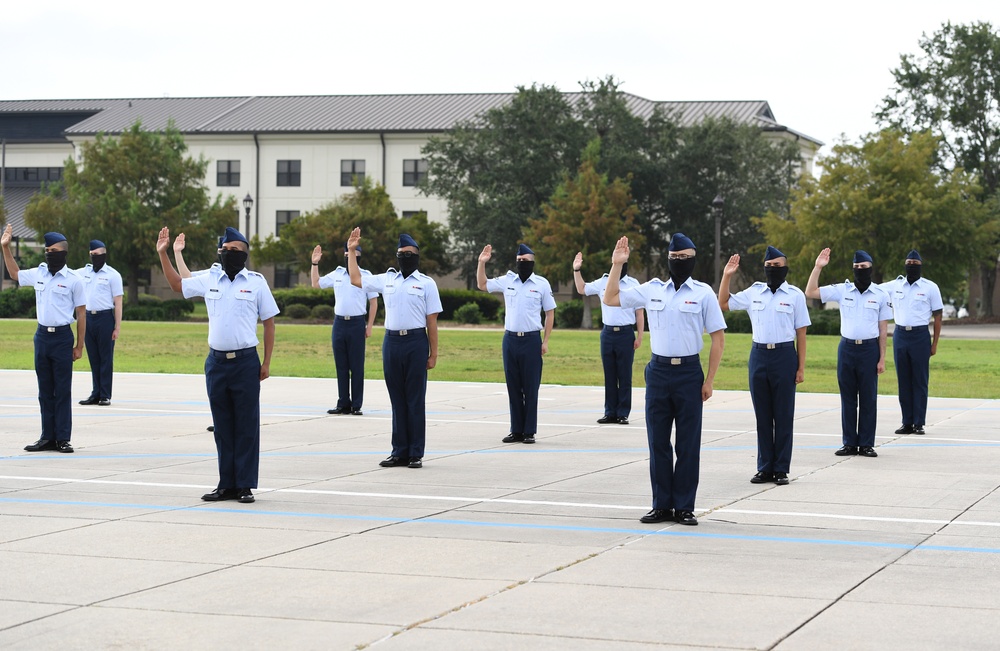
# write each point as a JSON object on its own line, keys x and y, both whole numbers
{"x": 717, "y": 204}
{"x": 247, "y": 205}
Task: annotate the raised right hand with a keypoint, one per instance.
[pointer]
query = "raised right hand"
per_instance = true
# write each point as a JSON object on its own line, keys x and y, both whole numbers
{"x": 163, "y": 240}
{"x": 317, "y": 254}
{"x": 732, "y": 265}
{"x": 621, "y": 252}
{"x": 179, "y": 243}
{"x": 354, "y": 240}
{"x": 823, "y": 258}
{"x": 5, "y": 238}
{"x": 486, "y": 254}
{"x": 578, "y": 261}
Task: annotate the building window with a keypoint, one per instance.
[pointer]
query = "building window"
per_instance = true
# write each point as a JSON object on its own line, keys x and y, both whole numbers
{"x": 289, "y": 173}
{"x": 227, "y": 173}
{"x": 283, "y": 275}
{"x": 412, "y": 213}
{"x": 284, "y": 217}
{"x": 31, "y": 176}
{"x": 414, "y": 171}
{"x": 351, "y": 172}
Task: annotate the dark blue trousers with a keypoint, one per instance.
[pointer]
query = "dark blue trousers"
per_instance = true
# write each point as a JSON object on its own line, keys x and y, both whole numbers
{"x": 349, "y": 357}
{"x": 911, "y": 351}
{"x": 404, "y": 365}
{"x": 54, "y": 370}
{"x": 617, "y": 354}
{"x": 772, "y": 390}
{"x": 100, "y": 352}
{"x": 673, "y": 394}
{"x": 522, "y": 368}
{"x": 857, "y": 375}
{"x": 234, "y": 396}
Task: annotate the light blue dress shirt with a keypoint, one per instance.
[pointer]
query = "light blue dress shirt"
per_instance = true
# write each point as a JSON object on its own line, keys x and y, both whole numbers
{"x": 233, "y": 307}
{"x": 774, "y": 317}
{"x": 101, "y": 287}
{"x": 676, "y": 319}
{"x": 56, "y": 297}
{"x": 860, "y": 313}
{"x": 524, "y": 301}
{"x": 408, "y": 301}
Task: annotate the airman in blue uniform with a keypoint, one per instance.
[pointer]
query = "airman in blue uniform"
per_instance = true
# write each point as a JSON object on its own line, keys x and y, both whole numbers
{"x": 352, "y": 308}
{"x": 236, "y": 299}
{"x": 678, "y": 313}
{"x": 104, "y": 290}
{"x": 915, "y": 300}
{"x": 526, "y": 295}
{"x": 59, "y": 299}
{"x": 618, "y": 343}
{"x": 779, "y": 318}
{"x": 864, "y": 316}
{"x": 410, "y": 346}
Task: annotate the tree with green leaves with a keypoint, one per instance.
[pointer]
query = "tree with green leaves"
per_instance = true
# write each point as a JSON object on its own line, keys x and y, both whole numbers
{"x": 370, "y": 208}
{"x": 586, "y": 213}
{"x": 886, "y": 196}
{"x": 952, "y": 88}
{"x": 497, "y": 170}
{"x": 126, "y": 190}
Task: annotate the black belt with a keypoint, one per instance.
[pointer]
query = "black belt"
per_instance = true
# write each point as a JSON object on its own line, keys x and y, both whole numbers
{"x": 403, "y": 333}
{"x": 908, "y": 328}
{"x": 348, "y": 318}
{"x": 618, "y": 328}
{"x": 675, "y": 361}
{"x": 95, "y": 312}
{"x": 526, "y": 333}
{"x": 231, "y": 354}
{"x": 859, "y": 341}
{"x": 783, "y": 344}
{"x": 42, "y": 328}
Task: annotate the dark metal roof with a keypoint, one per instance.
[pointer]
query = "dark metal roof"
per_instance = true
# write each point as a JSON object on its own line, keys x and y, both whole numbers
{"x": 15, "y": 200}
{"x": 343, "y": 113}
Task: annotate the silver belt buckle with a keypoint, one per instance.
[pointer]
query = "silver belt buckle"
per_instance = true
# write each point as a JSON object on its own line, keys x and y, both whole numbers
{"x": 346, "y": 318}
{"x": 93, "y": 311}
{"x": 231, "y": 355}
{"x": 858, "y": 342}
{"x": 616, "y": 329}
{"x": 675, "y": 361}
{"x": 402, "y": 333}
{"x": 908, "y": 328}
{"x": 49, "y": 329}
{"x": 520, "y": 334}
{"x": 771, "y": 346}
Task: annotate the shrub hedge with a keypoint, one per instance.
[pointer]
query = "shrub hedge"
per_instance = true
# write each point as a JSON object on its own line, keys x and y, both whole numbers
{"x": 469, "y": 313}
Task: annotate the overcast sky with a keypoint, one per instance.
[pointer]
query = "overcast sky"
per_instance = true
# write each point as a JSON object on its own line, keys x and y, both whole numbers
{"x": 822, "y": 66}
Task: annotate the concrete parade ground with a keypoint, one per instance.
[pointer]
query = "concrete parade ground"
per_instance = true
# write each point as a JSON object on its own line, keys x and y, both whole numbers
{"x": 489, "y": 545}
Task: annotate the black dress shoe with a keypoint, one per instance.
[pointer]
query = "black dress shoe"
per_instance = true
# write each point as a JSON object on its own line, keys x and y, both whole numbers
{"x": 657, "y": 515}
{"x": 220, "y": 494}
{"x": 622, "y": 421}
{"x": 513, "y": 438}
{"x": 528, "y": 438}
{"x": 604, "y": 420}
{"x": 210, "y": 428}
{"x": 847, "y": 451}
{"x": 390, "y": 462}
{"x": 415, "y": 462}
{"x": 686, "y": 517}
{"x": 339, "y": 410}
{"x": 781, "y": 478}
{"x": 918, "y": 429}
{"x": 357, "y": 412}
{"x": 41, "y": 444}
{"x": 244, "y": 495}
{"x": 867, "y": 451}
{"x": 104, "y": 402}
{"x": 906, "y": 429}
{"x": 762, "y": 478}
{"x": 64, "y": 446}
{"x": 89, "y": 401}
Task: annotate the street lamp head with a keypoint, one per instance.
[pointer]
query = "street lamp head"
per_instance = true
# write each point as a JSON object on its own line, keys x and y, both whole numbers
{"x": 248, "y": 203}
{"x": 718, "y": 202}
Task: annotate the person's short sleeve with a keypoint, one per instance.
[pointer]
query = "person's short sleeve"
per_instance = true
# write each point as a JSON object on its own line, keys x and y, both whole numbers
{"x": 432, "y": 304}
{"x": 117, "y": 287}
{"x": 712, "y": 313}
{"x": 935, "y": 298}
{"x": 364, "y": 274}
{"x": 885, "y": 310}
{"x": 27, "y": 277}
{"x": 802, "y": 319}
{"x": 79, "y": 293}
{"x": 634, "y": 297}
{"x": 496, "y": 285}
{"x": 548, "y": 300}
{"x": 373, "y": 284}
{"x": 195, "y": 285}
{"x": 594, "y": 288}
{"x": 326, "y": 282}
{"x": 739, "y": 301}
{"x": 829, "y": 293}
{"x": 266, "y": 305}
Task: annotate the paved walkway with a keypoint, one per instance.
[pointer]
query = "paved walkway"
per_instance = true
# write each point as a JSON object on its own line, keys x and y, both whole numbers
{"x": 489, "y": 546}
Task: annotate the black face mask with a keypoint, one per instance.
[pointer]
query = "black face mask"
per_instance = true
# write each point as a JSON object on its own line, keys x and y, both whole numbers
{"x": 913, "y": 273}
{"x": 233, "y": 261}
{"x": 218, "y": 258}
{"x": 680, "y": 270}
{"x": 408, "y": 265}
{"x": 775, "y": 276}
{"x": 624, "y": 269}
{"x": 863, "y": 278}
{"x": 98, "y": 260}
{"x": 56, "y": 260}
{"x": 524, "y": 269}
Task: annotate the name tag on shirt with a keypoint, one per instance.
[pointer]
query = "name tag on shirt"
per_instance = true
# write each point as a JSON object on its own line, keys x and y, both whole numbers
{"x": 757, "y": 305}
{"x": 511, "y": 291}
{"x": 213, "y": 294}
{"x": 389, "y": 289}
{"x": 103, "y": 280}
{"x": 655, "y": 305}
{"x": 338, "y": 282}
{"x": 848, "y": 301}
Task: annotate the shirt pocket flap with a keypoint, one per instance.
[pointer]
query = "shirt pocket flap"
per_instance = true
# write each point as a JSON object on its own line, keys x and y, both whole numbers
{"x": 689, "y": 307}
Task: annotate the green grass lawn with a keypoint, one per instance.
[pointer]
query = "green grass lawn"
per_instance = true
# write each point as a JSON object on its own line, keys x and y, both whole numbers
{"x": 961, "y": 369}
